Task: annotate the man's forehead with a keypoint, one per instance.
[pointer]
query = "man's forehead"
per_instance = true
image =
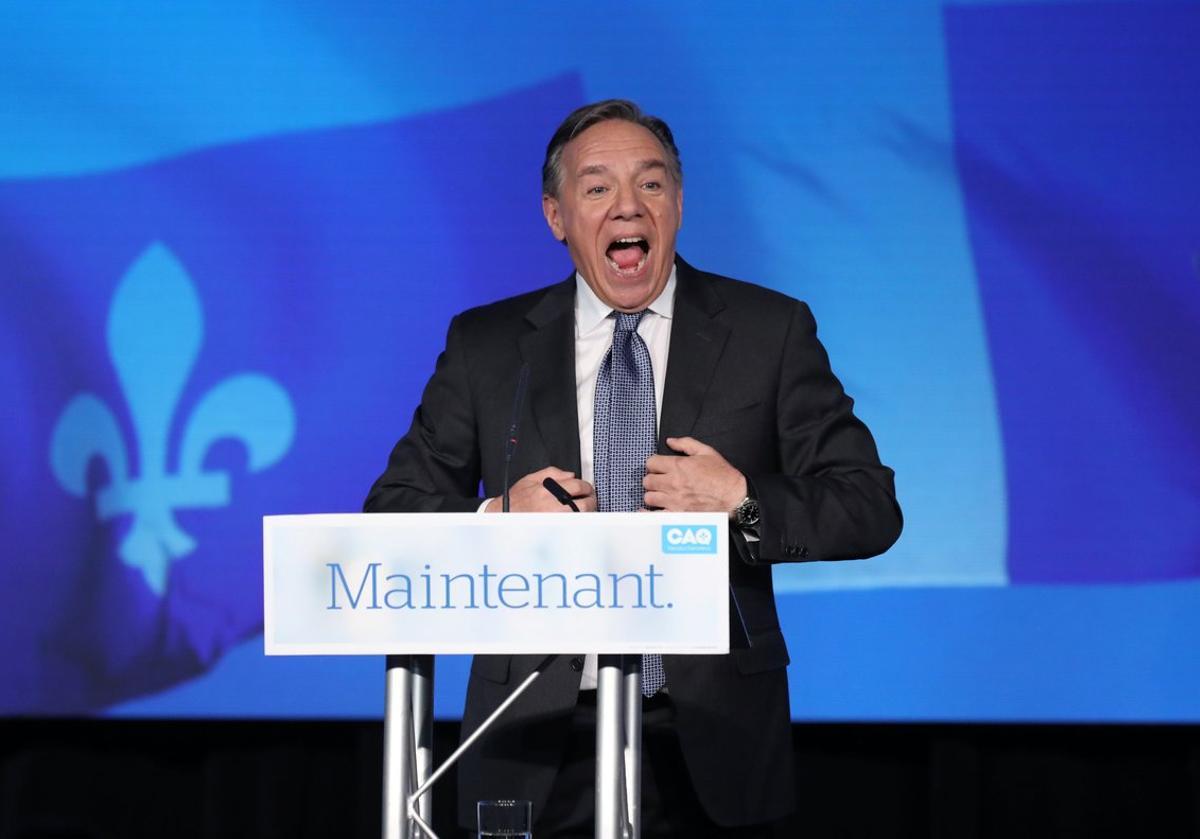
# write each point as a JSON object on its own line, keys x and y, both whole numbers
{"x": 612, "y": 138}
{"x": 642, "y": 165}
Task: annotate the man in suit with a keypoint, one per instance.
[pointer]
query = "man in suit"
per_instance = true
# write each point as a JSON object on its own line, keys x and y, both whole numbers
{"x": 744, "y": 416}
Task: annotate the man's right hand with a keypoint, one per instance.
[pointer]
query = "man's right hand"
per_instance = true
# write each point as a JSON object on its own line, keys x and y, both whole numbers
{"x": 529, "y": 496}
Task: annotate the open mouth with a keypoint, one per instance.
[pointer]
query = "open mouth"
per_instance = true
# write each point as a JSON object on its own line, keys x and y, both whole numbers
{"x": 628, "y": 254}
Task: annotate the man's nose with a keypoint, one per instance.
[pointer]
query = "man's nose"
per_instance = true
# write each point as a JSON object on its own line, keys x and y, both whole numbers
{"x": 627, "y": 204}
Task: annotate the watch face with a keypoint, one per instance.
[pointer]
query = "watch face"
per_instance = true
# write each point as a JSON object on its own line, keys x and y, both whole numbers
{"x": 747, "y": 513}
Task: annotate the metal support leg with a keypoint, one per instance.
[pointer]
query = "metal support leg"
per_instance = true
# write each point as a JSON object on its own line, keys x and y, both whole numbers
{"x": 422, "y": 709}
{"x": 398, "y": 746}
{"x": 632, "y": 688}
{"x": 610, "y": 742}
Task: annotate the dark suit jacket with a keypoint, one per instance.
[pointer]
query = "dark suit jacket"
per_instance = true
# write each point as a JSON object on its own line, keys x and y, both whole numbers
{"x": 745, "y": 374}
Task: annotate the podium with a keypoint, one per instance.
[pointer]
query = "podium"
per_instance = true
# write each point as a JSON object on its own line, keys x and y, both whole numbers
{"x": 412, "y": 585}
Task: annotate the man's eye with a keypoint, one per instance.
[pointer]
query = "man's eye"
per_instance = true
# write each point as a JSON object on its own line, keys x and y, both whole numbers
{"x": 596, "y": 190}
{"x": 652, "y": 185}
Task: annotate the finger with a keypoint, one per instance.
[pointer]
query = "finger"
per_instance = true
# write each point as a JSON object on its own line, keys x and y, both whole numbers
{"x": 577, "y": 488}
{"x": 688, "y": 445}
{"x": 556, "y": 490}
{"x": 655, "y": 482}
{"x": 586, "y": 504}
{"x": 659, "y": 500}
{"x": 660, "y": 463}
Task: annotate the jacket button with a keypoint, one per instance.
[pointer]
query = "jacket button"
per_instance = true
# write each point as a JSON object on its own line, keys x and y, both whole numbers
{"x": 577, "y": 664}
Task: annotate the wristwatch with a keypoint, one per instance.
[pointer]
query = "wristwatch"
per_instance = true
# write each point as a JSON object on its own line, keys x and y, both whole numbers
{"x": 745, "y": 514}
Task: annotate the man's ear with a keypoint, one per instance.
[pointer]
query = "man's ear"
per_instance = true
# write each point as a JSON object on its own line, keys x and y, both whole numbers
{"x": 679, "y": 204}
{"x": 550, "y": 211}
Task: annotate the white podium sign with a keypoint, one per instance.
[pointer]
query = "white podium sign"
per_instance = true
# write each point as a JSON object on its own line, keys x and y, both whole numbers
{"x": 364, "y": 584}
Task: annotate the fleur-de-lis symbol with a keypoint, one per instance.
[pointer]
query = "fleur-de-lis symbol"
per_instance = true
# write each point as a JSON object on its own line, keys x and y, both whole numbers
{"x": 155, "y": 330}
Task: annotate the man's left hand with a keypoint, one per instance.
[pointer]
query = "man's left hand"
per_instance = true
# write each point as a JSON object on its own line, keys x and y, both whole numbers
{"x": 699, "y": 482}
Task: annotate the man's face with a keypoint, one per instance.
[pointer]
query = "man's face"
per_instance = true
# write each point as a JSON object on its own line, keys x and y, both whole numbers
{"x": 619, "y": 208}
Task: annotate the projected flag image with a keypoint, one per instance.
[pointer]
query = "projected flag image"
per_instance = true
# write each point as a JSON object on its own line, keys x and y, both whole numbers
{"x": 227, "y": 279}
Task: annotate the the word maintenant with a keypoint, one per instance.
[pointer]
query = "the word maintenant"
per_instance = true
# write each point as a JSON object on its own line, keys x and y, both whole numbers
{"x": 486, "y": 590}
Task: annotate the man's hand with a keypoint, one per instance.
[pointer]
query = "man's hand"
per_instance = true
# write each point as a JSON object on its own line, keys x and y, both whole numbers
{"x": 700, "y": 482}
{"x": 529, "y": 496}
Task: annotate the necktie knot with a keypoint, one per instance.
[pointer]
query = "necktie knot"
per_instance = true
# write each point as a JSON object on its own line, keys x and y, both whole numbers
{"x": 628, "y": 321}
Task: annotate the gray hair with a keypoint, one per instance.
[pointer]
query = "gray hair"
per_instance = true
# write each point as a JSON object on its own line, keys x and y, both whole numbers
{"x": 581, "y": 119}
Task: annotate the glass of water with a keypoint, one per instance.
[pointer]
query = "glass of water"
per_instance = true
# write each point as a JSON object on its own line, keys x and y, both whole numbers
{"x": 509, "y": 819}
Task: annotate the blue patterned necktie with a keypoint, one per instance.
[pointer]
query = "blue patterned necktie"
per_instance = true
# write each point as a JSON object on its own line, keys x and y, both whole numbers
{"x": 624, "y": 435}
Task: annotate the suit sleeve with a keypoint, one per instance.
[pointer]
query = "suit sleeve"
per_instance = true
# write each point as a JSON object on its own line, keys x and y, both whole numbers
{"x": 435, "y": 466}
{"x": 832, "y": 498}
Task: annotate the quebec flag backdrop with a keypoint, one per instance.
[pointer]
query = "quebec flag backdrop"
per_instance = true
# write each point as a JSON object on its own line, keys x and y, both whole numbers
{"x": 231, "y": 241}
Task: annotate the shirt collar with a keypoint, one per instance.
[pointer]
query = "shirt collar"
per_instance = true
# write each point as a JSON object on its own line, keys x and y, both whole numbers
{"x": 591, "y": 311}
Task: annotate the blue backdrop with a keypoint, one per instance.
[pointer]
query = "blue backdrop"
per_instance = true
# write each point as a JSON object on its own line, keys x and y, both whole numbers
{"x": 231, "y": 239}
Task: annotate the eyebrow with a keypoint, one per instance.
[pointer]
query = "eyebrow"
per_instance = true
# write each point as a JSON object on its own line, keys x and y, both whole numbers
{"x": 642, "y": 166}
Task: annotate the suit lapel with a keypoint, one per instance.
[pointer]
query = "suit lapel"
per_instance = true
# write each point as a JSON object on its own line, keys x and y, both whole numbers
{"x": 697, "y": 341}
{"x": 549, "y": 348}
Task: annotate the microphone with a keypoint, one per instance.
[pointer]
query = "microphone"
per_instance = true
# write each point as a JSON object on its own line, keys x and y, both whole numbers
{"x": 558, "y": 491}
{"x": 510, "y": 441}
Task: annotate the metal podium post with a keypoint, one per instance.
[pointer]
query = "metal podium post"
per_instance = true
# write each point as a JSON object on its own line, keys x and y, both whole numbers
{"x": 618, "y": 747}
{"x": 632, "y": 678}
{"x": 422, "y": 709}
{"x": 407, "y": 741}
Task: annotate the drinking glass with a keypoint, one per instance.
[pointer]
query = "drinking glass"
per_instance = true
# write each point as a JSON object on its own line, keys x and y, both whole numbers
{"x": 508, "y": 819}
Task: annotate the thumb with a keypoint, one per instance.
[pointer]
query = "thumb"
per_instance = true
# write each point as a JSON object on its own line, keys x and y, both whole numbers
{"x": 688, "y": 445}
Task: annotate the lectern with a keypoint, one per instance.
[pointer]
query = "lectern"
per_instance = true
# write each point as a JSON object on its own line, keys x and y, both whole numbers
{"x": 409, "y": 586}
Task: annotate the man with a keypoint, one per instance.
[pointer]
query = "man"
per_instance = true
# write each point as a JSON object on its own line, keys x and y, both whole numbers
{"x": 665, "y": 388}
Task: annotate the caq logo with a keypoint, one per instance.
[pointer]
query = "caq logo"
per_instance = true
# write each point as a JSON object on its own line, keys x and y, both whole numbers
{"x": 689, "y": 539}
